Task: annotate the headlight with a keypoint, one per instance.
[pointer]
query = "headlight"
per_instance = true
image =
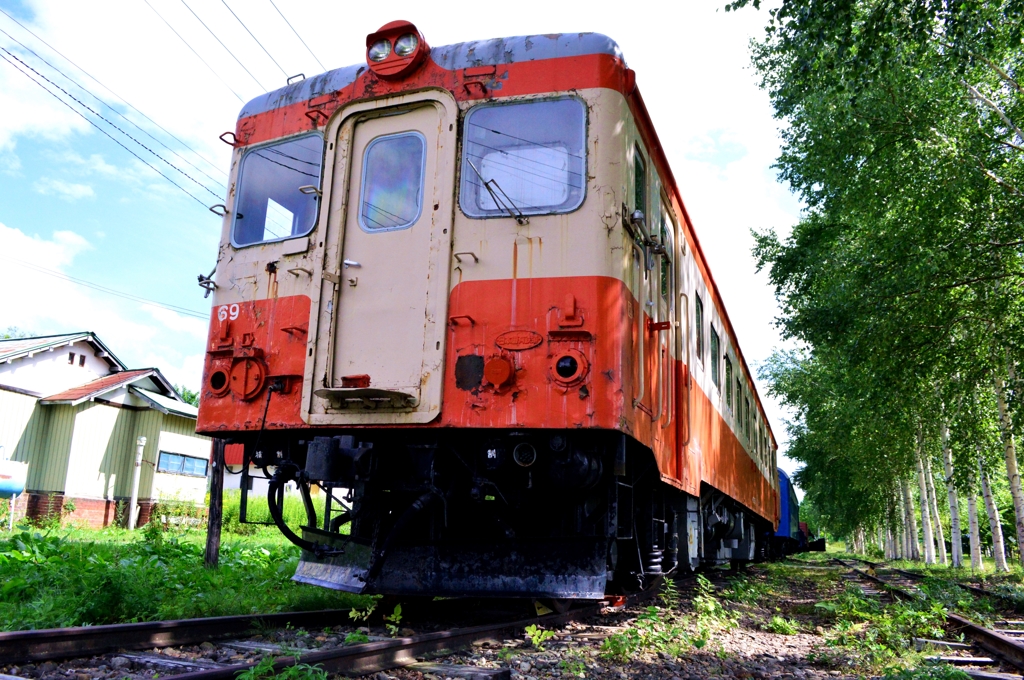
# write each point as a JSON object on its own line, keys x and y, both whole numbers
{"x": 379, "y": 50}
{"x": 406, "y": 45}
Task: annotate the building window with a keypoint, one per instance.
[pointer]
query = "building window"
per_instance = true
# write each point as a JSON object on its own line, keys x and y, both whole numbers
{"x": 177, "y": 464}
{"x": 714, "y": 357}
{"x": 71, "y": 358}
{"x": 81, "y": 360}
{"x": 728, "y": 381}
{"x": 699, "y": 323}
{"x": 528, "y": 157}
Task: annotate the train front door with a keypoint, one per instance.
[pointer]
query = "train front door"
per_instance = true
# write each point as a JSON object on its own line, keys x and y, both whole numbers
{"x": 388, "y": 326}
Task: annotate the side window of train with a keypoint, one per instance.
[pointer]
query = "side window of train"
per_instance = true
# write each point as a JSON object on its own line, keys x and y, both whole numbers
{"x": 524, "y": 158}
{"x": 746, "y": 419}
{"x": 728, "y": 382}
{"x": 699, "y": 326}
{"x": 639, "y": 182}
{"x": 668, "y": 240}
{"x": 714, "y": 358}
{"x": 391, "y": 190}
{"x": 270, "y": 205}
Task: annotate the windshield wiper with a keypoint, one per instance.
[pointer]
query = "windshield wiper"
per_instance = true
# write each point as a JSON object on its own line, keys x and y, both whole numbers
{"x": 509, "y": 207}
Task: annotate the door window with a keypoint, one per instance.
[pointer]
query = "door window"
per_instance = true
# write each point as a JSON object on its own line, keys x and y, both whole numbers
{"x": 391, "y": 194}
{"x": 270, "y": 206}
{"x": 528, "y": 158}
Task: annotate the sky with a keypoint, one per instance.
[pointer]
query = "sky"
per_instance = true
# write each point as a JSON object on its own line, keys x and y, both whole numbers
{"x": 75, "y": 206}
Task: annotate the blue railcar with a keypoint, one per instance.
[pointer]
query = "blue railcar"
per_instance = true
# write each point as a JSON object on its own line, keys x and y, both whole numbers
{"x": 791, "y": 537}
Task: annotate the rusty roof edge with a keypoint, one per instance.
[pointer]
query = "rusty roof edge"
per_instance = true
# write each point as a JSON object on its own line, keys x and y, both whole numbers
{"x": 452, "y": 57}
{"x": 128, "y": 380}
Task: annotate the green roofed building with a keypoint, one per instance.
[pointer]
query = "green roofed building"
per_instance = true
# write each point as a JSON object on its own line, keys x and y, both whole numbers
{"x": 75, "y": 414}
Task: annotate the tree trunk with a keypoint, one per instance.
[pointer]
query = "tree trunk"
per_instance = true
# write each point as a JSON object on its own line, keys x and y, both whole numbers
{"x": 940, "y": 536}
{"x": 926, "y": 515}
{"x": 1010, "y": 452}
{"x": 998, "y": 551}
{"x": 901, "y": 526}
{"x": 974, "y": 529}
{"x": 954, "y": 503}
{"x": 881, "y": 539}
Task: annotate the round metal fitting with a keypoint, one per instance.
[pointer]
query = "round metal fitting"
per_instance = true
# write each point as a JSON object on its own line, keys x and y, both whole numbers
{"x": 524, "y": 454}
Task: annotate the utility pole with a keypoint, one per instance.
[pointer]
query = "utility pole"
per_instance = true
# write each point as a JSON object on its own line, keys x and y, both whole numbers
{"x": 213, "y": 519}
{"x": 133, "y": 506}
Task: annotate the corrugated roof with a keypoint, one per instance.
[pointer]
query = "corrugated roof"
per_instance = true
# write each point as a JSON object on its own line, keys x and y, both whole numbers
{"x": 95, "y": 388}
{"x": 166, "y": 404}
{"x": 16, "y": 348}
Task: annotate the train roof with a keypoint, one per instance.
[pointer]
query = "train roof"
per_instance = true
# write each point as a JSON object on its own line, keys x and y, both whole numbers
{"x": 471, "y": 54}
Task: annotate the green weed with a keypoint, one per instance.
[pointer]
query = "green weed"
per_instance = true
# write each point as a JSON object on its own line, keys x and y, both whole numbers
{"x": 573, "y": 664}
{"x": 538, "y": 636}
{"x": 49, "y": 580}
{"x": 264, "y": 670}
{"x": 782, "y": 626}
{"x": 392, "y": 621}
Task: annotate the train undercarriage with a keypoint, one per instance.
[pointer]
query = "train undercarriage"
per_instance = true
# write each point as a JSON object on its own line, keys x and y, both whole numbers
{"x": 564, "y": 514}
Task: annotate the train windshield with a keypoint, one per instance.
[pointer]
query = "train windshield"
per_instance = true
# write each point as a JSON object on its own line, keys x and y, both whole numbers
{"x": 274, "y": 202}
{"x": 531, "y": 154}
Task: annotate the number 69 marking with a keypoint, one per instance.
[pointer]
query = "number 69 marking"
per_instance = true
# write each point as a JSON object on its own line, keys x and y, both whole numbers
{"x": 225, "y": 312}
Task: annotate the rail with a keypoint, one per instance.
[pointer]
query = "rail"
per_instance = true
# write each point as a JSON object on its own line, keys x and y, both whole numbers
{"x": 990, "y": 640}
{"x": 21, "y": 647}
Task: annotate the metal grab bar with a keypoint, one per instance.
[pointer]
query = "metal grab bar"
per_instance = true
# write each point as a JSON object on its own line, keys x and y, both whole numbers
{"x": 641, "y": 329}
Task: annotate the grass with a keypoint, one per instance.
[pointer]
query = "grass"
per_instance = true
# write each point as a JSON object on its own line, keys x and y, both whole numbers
{"x": 72, "y": 577}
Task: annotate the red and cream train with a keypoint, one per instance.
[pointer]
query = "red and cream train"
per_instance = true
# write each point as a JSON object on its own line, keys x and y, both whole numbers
{"x": 459, "y": 303}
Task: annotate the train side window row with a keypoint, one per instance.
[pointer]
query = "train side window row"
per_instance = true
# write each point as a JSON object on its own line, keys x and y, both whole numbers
{"x": 526, "y": 157}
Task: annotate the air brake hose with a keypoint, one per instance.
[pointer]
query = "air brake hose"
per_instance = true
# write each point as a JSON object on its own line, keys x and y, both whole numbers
{"x": 275, "y": 501}
{"x": 416, "y": 508}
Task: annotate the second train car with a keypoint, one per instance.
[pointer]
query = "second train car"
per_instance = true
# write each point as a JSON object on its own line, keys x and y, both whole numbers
{"x": 459, "y": 304}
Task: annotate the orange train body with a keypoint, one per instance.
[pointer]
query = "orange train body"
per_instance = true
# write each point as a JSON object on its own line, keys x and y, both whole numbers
{"x": 557, "y": 351}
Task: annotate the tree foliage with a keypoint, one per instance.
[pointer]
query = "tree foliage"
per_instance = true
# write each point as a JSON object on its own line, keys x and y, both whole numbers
{"x": 902, "y": 282}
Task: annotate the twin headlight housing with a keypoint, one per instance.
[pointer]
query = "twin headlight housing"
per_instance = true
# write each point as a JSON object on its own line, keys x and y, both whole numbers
{"x": 405, "y": 46}
{"x": 395, "y": 50}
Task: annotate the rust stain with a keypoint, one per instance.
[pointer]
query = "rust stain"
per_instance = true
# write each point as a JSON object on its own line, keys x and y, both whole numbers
{"x": 515, "y": 259}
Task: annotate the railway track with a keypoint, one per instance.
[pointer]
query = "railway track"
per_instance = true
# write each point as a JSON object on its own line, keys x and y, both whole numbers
{"x": 990, "y": 652}
{"x": 1013, "y": 602}
{"x": 218, "y": 648}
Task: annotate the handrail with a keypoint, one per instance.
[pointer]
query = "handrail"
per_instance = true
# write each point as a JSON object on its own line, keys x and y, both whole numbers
{"x": 686, "y": 324}
{"x": 673, "y": 338}
{"x": 640, "y": 326}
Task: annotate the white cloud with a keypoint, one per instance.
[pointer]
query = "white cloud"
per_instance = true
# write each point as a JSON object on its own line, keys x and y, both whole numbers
{"x": 197, "y": 328}
{"x": 50, "y": 304}
{"x": 66, "y": 190}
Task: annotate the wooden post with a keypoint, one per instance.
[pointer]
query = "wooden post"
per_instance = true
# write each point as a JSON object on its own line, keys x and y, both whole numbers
{"x": 216, "y": 504}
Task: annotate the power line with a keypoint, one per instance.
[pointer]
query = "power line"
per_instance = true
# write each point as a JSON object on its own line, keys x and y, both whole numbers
{"x": 110, "y": 291}
{"x": 221, "y": 44}
{"x": 93, "y": 123}
{"x": 254, "y": 37}
{"x": 195, "y": 53}
{"x": 108, "y": 122}
{"x": 122, "y": 99}
{"x": 297, "y": 35}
